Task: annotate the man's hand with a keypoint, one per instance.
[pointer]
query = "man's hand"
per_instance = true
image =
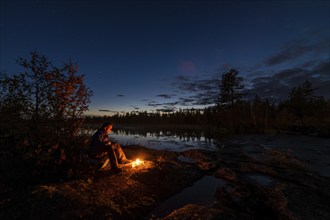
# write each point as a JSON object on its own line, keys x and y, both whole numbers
{"x": 111, "y": 143}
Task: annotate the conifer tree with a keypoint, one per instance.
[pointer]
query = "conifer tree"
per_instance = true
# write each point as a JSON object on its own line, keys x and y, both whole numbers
{"x": 230, "y": 88}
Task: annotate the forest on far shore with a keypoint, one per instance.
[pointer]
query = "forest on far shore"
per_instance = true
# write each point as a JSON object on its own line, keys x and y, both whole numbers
{"x": 302, "y": 112}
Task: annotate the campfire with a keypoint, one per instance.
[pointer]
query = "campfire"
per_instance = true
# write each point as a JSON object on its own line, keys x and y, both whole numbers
{"x": 139, "y": 165}
{"x": 136, "y": 163}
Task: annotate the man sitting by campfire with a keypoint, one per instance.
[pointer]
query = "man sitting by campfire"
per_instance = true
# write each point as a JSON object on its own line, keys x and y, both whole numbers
{"x": 102, "y": 147}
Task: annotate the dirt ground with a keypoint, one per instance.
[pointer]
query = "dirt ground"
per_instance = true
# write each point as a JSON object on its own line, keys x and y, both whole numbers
{"x": 278, "y": 186}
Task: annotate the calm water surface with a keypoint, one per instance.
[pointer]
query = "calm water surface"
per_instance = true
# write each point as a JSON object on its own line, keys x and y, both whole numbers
{"x": 164, "y": 141}
{"x": 314, "y": 151}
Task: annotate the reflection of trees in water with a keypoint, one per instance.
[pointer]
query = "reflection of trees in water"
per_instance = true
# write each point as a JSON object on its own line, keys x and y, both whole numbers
{"x": 180, "y": 133}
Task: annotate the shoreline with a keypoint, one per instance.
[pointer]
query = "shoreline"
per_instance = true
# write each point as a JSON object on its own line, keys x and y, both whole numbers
{"x": 275, "y": 187}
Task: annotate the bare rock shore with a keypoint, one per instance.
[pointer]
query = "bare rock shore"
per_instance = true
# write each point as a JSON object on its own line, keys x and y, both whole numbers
{"x": 276, "y": 186}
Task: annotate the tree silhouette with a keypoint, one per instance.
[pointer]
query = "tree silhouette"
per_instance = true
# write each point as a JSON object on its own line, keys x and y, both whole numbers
{"x": 36, "y": 69}
{"x": 50, "y": 99}
{"x": 230, "y": 88}
{"x": 13, "y": 93}
{"x": 301, "y": 99}
{"x": 68, "y": 97}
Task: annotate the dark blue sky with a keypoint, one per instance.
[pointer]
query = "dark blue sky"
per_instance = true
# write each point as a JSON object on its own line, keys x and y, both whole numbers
{"x": 148, "y": 55}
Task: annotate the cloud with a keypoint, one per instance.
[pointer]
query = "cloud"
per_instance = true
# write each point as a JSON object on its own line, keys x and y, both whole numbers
{"x": 190, "y": 91}
{"x": 275, "y": 86}
{"x": 287, "y": 54}
{"x": 107, "y": 110}
{"x": 278, "y": 86}
{"x": 297, "y": 49}
{"x": 154, "y": 104}
{"x": 135, "y": 107}
{"x": 206, "y": 97}
{"x": 271, "y": 90}
{"x": 186, "y": 101}
{"x": 163, "y": 104}
{"x": 292, "y": 75}
{"x": 323, "y": 69}
{"x": 195, "y": 85}
{"x": 300, "y": 60}
{"x": 120, "y": 95}
{"x": 165, "y": 96}
{"x": 196, "y": 90}
{"x": 166, "y": 104}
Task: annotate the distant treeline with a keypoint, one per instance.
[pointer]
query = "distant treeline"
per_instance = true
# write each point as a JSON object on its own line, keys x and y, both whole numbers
{"x": 302, "y": 112}
{"x": 247, "y": 117}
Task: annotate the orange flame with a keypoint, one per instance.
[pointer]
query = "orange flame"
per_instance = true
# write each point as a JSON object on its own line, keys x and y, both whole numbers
{"x": 137, "y": 162}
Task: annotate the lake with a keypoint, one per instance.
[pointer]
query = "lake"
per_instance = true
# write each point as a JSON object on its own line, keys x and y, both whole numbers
{"x": 167, "y": 140}
{"x": 314, "y": 151}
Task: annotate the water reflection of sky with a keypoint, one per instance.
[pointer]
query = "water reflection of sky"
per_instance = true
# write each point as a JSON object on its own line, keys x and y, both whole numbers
{"x": 202, "y": 193}
{"x": 314, "y": 151}
{"x": 163, "y": 141}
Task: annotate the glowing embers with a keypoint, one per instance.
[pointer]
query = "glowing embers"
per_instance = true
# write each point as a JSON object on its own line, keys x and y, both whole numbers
{"x": 139, "y": 165}
{"x": 136, "y": 163}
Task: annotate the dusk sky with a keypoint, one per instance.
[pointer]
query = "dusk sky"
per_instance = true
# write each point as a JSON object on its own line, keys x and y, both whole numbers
{"x": 149, "y": 55}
